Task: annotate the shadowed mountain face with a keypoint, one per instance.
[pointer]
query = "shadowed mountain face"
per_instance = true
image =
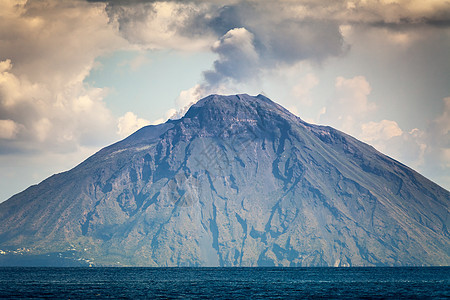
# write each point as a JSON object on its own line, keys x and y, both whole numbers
{"x": 238, "y": 181}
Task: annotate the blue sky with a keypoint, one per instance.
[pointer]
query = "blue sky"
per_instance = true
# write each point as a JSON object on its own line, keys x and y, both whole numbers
{"x": 76, "y": 75}
{"x": 147, "y": 82}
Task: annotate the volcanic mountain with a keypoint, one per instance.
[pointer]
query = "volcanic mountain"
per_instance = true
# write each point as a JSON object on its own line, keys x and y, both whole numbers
{"x": 237, "y": 181}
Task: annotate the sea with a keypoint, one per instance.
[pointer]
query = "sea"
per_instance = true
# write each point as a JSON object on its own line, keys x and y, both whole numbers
{"x": 225, "y": 283}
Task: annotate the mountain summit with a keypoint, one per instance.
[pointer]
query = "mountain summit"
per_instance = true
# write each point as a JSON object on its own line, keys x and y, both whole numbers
{"x": 238, "y": 181}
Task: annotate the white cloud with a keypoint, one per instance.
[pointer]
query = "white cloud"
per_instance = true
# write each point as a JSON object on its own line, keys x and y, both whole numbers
{"x": 384, "y": 130}
{"x": 426, "y": 150}
{"x": 387, "y": 136}
{"x": 55, "y": 42}
{"x": 5, "y": 66}
{"x": 437, "y": 139}
{"x": 156, "y": 25}
{"x": 301, "y": 91}
{"x": 129, "y": 123}
{"x": 350, "y": 105}
{"x": 47, "y": 49}
{"x": 8, "y": 129}
{"x": 442, "y": 123}
{"x": 51, "y": 118}
{"x": 42, "y": 129}
{"x": 445, "y": 156}
{"x": 414, "y": 11}
{"x": 352, "y": 94}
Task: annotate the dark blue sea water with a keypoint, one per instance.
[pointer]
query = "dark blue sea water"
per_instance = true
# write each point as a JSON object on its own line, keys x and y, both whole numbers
{"x": 224, "y": 283}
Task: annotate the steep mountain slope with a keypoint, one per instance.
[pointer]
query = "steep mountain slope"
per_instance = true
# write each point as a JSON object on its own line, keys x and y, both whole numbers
{"x": 238, "y": 181}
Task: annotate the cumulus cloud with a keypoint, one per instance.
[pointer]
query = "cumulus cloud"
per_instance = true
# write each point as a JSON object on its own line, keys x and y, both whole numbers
{"x": 387, "y": 136}
{"x": 426, "y": 150}
{"x": 8, "y": 129}
{"x": 301, "y": 91}
{"x": 351, "y": 111}
{"x": 246, "y": 35}
{"x": 438, "y": 138}
{"x": 442, "y": 124}
{"x": 353, "y": 92}
{"x": 47, "y": 49}
{"x": 398, "y": 12}
{"x": 156, "y": 24}
{"x": 52, "y": 41}
{"x": 130, "y": 123}
{"x": 295, "y": 29}
{"x": 260, "y": 39}
{"x": 250, "y": 36}
{"x": 52, "y": 119}
{"x": 350, "y": 104}
{"x": 385, "y": 129}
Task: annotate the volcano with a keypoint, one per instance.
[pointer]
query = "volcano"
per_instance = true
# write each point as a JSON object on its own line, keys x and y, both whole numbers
{"x": 237, "y": 181}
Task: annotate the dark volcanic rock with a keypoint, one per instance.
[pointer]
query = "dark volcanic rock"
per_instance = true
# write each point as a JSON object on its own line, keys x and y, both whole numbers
{"x": 238, "y": 181}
